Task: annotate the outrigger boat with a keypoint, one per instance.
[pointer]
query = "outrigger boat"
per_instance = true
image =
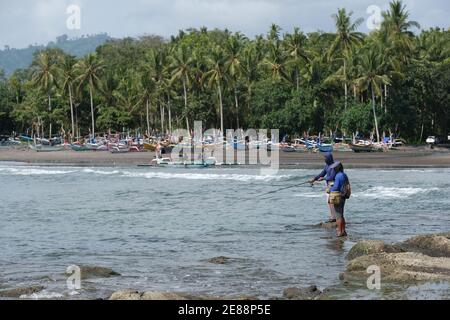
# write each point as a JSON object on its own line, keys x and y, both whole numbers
{"x": 358, "y": 148}
{"x": 45, "y": 148}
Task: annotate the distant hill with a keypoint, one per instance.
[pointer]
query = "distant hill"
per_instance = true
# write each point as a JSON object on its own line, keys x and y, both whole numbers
{"x": 13, "y": 59}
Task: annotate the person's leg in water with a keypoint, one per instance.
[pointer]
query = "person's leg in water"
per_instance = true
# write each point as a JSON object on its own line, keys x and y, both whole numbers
{"x": 340, "y": 220}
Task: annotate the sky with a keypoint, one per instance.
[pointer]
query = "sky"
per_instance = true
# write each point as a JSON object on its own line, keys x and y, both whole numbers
{"x": 26, "y": 22}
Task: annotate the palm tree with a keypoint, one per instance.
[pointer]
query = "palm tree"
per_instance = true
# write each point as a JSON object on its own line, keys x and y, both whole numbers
{"x": 234, "y": 67}
{"x": 44, "y": 74}
{"x": 346, "y": 39}
{"x": 396, "y": 31}
{"x": 68, "y": 77}
{"x": 276, "y": 63}
{"x": 250, "y": 70}
{"x": 216, "y": 76}
{"x": 182, "y": 65}
{"x": 89, "y": 70}
{"x": 295, "y": 47}
{"x": 371, "y": 78}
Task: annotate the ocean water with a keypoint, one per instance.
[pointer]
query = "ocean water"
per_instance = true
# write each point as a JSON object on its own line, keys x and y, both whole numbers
{"x": 159, "y": 227}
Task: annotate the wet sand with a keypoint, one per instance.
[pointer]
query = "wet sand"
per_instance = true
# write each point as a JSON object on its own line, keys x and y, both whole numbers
{"x": 408, "y": 157}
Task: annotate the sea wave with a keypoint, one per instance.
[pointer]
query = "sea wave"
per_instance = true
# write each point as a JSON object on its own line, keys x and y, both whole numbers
{"x": 43, "y": 295}
{"x": 381, "y": 192}
{"x": 27, "y": 171}
{"x": 203, "y": 176}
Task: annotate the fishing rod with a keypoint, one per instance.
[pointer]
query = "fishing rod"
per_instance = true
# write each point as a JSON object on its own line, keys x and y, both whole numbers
{"x": 285, "y": 188}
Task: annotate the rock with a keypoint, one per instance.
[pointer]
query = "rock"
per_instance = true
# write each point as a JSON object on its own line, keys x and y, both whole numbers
{"x": 219, "y": 260}
{"x": 431, "y": 245}
{"x": 309, "y": 293}
{"x": 153, "y": 295}
{"x": 18, "y": 292}
{"x": 97, "y": 272}
{"x": 405, "y": 267}
{"x": 128, "y": 294}
{"x": 366, "y": 247}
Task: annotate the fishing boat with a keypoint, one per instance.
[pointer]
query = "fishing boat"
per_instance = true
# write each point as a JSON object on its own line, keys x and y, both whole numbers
{"x": 324, "y": 147}
{"x": 289, "y": 149}
{"x": 78, "y": 147}
{"x": 120, "y": 149}
{"x": 358, "y": 148}
{"x": 161, "y": 162}
{"x": 26, "y": 139}
{"x": 46, "y": 148}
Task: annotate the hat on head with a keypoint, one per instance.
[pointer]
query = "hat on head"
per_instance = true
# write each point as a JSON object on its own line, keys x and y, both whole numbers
{"x": 335, "y": 165}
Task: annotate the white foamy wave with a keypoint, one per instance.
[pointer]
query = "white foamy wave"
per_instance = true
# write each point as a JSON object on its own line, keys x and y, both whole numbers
{"x": 202, "y": 176}
{"x": 392, "y": 193}
{"x": 27, "y": 171}
{"x": 106, "y": 173}
{"x": 43, "y": 295}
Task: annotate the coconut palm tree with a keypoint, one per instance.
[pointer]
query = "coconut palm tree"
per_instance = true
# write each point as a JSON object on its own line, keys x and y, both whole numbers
{"x": 275, "y": 61}
{"x": 371, "y": 78}
{"x": 181, "y": 65}
{"x": 396, "y": 32}
{"x": 250, "y": 71}
{"x": 89, "y": 70}
{"x": 346, "y": 39}
{"x": 216, "y": 76}
{"x": 68, "y": 76}
{"x": 44, "y": 75}
{"x": 234, "y": 68}
{"x": 295, "y": 46}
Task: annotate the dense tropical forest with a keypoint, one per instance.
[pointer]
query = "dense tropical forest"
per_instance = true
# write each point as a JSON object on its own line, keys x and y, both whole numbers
{"x": 394, "y": 80}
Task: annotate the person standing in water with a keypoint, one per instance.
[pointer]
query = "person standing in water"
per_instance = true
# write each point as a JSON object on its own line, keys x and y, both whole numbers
{"x": 327, "y": 174}
{"x": 339, "y": 193}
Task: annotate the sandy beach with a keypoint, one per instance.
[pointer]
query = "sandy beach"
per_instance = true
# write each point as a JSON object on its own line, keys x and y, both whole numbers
{"x": 408, "y": 157}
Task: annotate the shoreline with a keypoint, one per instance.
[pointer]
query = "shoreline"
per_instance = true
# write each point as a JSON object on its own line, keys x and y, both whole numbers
{"x": 406, "y": 158}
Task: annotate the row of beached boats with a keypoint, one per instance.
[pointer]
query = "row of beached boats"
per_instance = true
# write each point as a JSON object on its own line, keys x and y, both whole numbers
{"x": 130, "y": 144}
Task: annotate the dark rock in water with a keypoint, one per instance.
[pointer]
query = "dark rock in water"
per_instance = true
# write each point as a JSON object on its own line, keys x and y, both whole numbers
{"x": 219, "y": 260}
{"x": 97, "y": 272}
{"x": 18, "y": 292}
{"x": 309, "y": 293}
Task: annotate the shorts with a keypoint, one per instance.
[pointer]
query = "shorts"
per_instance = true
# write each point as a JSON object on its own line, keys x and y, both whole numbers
{"x": 338, "y": 209}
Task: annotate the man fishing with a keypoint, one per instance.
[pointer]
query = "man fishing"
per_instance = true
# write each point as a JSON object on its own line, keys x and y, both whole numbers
{"x": 340, "y": 192}
{"x": 328, "y": 175}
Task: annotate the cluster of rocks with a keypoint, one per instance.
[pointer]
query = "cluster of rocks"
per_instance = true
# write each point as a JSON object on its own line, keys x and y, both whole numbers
{"x": 421, "y": 258}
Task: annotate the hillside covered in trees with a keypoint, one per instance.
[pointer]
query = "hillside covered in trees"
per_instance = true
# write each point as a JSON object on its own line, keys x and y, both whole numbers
{"x": 13, "y": 59}
{"x": 393, "y": 80}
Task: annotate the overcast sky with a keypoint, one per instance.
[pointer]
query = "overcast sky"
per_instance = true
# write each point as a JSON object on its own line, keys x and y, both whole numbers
{"x": 24, "y": 22}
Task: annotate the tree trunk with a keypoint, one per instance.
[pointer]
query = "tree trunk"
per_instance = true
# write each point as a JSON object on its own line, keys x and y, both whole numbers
{"x": 148, "y": 117}
{"x": 71, "y": 112}
{"x": 236, "y": 100}
{"x": 345, "y": 84}
{"x": 297, "y": 78}
{"x": 161, "y": 109}
{"x": 375, "y": 114}
{"x": 170, "y": 115}
{"x": 219, "y": 89}
{"x": 186, "y": 106}
{"x": 92, "y": 109}
{"x": 50, "y": 119}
